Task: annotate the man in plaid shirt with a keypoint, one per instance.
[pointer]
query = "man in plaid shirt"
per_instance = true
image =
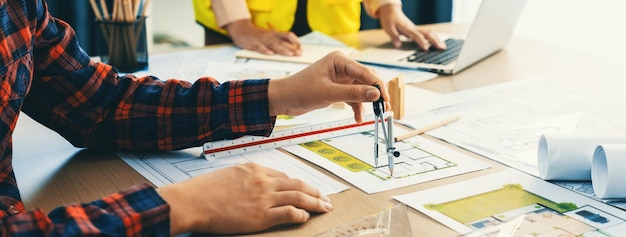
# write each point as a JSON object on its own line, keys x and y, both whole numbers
{"x": 48, "y": 76}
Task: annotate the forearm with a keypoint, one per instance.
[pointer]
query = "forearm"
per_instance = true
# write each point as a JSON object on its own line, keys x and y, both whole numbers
{"x": 148, "y": 113}
{"x": 137, "y": 211}
{"x": 227, "y": 11}
{"x": 372, "y": 6}
{"x": 89, "y": 105}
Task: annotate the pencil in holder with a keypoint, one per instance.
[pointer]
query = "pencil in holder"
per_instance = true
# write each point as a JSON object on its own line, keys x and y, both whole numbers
{"x": 126, "y": 47}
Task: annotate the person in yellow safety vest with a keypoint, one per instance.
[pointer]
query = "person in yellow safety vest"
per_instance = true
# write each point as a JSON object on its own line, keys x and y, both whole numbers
{"x": 271, "y": 26}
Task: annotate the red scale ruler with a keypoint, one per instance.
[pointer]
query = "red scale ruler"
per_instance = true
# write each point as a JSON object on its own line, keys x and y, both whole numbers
{"x": 286, "y": 137}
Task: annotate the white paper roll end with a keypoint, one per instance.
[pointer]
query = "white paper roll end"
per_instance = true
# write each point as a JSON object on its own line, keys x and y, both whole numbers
{"x": 543, "y": 160}
{"x": 608, "y": 171}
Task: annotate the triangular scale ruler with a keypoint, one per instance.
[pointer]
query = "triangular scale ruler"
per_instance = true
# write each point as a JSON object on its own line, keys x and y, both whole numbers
{"x": 286, "y": 137}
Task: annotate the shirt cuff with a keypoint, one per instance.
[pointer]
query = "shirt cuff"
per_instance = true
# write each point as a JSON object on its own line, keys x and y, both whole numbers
{"x": 141, "y": 210}
{"x": 137, "y": 211}
{"x": 249, "y": 107}
{"x": 372, "y": 6}
{"x": 227, "y": 11}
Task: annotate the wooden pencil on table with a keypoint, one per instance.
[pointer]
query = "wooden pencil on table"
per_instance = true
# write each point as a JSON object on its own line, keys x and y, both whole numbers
{"x": 427, "y": 128}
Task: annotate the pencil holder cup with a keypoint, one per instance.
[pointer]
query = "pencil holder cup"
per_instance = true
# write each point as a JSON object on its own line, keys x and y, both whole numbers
{"x": 126, "y": 47}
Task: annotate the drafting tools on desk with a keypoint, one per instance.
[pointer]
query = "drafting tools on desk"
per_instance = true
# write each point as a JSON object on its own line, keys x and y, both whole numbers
{"x": 389, "y": 222}
{"x": 286, "y": 137}
{"x": 379, "y": 112}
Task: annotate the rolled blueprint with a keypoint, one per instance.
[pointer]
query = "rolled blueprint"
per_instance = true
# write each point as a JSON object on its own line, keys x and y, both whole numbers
{"x": 608, "y": 171}
{"x": 569, "y": 156}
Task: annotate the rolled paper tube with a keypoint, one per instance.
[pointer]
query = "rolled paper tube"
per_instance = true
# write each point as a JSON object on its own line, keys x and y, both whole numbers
{"x": 608, "y": 171}
{"x": 569, "y": 156}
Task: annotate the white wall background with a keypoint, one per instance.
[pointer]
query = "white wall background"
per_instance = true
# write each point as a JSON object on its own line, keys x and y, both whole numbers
{"x": 175, "y": 17}
{"x": 594, "y": 26}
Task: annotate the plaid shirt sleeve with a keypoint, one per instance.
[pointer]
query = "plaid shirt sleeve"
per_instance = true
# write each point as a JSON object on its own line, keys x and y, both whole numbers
{"x": 89, "y": 105}
{"x": 47, "y": 75}
{"x": 138, "y": 211}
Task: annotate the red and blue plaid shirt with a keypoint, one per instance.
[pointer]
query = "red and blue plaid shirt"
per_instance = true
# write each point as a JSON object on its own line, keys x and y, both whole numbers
{"x": 45, "y": 74}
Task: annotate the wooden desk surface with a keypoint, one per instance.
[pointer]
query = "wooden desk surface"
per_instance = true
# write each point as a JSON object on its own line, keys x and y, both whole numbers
{"x": 51, "y": 172}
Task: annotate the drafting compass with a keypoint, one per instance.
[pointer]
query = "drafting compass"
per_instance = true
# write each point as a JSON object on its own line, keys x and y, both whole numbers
{"x": 379, "y": 112}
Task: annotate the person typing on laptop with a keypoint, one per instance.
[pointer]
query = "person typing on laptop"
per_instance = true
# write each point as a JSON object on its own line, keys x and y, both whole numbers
{"x": 272, "y": 28}
{"x": 491, "y": 29}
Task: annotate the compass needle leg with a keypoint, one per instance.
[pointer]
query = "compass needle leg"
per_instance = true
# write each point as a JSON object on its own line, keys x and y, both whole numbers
{"x": 376, "y": 142}
{"x": 379, "y": 111}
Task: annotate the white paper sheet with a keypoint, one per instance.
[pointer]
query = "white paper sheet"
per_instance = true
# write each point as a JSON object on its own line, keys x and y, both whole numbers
{"x": 310, "y": 53}
{"x": 187, "y": 65}
{"x": 163, "y": 168}
{"x": 500, "y": 197}
{"x": 251, "y": 69}
{"x": 504, "y": 121}
{"x": 420, "y": 160}
{"x": 519, "y": 112}
{"x": 319, "y": 38}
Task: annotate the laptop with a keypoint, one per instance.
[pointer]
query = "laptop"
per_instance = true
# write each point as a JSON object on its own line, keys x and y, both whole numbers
{"x": 491, "y": 30}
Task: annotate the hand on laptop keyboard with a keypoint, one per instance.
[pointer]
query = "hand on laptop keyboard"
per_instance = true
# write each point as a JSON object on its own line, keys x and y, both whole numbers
{"x": 435, "y": 56}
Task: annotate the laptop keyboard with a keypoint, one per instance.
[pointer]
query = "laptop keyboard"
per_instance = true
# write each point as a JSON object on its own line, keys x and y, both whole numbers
{"x": 434, "y": 56}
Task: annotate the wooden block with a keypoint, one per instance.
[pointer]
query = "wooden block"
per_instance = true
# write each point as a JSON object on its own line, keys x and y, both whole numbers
{"x": 338, "y": 105}
{"x": 396, "y": 92}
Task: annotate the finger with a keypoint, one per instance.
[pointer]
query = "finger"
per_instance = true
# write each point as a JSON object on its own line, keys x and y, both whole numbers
{"x": 433, "y": 37}
{"x": 289, "y": 184}
{"x": 263, "y": 49}
{"x": 366, "y": 76}
{"x": 295, "y": 41}
{"x": 385, "y": 95}
{"x": 299, "y": 185}
{"x": 286, "y": 215}
{"x": 285, "y": 44}
{"x": 358, "y": 111}
{"x": 292, "y": 38}
{"x": 283, "y": 48}
{"x": 352, "y": 93}
{"x": 302, "y": 201}
{"x": 419, "y": 38}
{"x": 355, "y": 71}
{"x": 395, "y": 37}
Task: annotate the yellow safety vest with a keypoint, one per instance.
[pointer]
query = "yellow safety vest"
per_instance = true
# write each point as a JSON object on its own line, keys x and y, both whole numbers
{"x": 327, "y": 16}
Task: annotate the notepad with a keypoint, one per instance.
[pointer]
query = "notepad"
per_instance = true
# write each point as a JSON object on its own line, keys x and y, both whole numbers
{"x": 310, "y": 53}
